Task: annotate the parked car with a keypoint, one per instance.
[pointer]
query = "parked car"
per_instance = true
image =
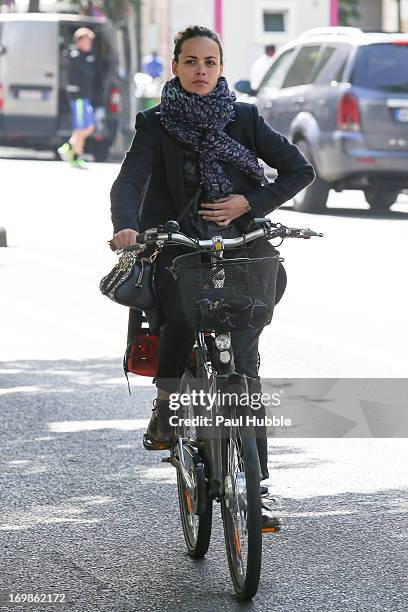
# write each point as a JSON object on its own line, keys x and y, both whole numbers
{"x": 342, "y": 96}
{"x": 34, "y": 106}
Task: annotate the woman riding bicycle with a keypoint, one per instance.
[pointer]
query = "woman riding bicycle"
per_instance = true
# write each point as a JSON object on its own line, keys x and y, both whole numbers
{"x": 194, "y": 158}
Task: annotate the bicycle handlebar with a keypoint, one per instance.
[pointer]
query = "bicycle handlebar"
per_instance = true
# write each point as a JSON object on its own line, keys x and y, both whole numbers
{"x": 170, "y": 233}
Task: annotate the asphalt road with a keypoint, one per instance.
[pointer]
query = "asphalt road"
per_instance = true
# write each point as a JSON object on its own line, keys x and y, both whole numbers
{"x": 86, "y": 513}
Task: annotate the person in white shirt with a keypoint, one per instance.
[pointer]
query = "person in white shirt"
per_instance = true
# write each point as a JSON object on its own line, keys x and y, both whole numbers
{"x": 260, "y": 66}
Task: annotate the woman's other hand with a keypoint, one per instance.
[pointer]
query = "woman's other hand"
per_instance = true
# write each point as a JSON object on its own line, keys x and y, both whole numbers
{"x": 123, "y": 238}
{"x": 224, "y": 210}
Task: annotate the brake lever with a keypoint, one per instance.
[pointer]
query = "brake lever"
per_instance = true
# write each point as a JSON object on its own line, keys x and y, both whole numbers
{"x": 308, "y": 233}
{"x": 134, "y": 247}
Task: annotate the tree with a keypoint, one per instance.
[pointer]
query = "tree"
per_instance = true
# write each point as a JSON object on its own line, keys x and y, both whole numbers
{"x": 348, "y": 12}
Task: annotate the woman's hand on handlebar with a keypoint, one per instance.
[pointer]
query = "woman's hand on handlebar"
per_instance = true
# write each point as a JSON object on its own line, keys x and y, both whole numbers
{"x": 123, "y": 238}
{"x": 224, "y": 210}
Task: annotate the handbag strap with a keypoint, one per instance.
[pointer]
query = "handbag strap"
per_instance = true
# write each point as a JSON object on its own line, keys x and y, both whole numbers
{"x": 189, "y": 204}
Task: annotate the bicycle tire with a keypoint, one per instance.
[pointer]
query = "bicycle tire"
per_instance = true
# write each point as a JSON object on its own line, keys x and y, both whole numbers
{"x": 196, "y": 527}
{"x": 245, "y": 573}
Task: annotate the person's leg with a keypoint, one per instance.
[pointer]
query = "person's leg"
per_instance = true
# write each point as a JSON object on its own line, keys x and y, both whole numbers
{"x": 77, "y": 141}
{"x": 89, "y": 123}
{"x": 78, "y": 138}
{"x": 246, "y": 362}
{"x": 83, "y": 123}
{"x": 78, "y": 125}
{"x": 175, "y": 344}
{"x": 245, "y": 344}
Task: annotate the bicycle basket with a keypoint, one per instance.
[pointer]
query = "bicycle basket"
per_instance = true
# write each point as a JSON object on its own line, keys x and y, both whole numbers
{"x": 228, "y": 294}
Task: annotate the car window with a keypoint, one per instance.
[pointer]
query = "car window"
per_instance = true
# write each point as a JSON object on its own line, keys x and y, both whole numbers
{"x": 324, "y": 58}
{"x": 277, "y": 72}
{"x": 302, "y": 69}
{"x": 331, "y": 65}
{"x": 382, "y": 66}
{"x": 340, "y": 72}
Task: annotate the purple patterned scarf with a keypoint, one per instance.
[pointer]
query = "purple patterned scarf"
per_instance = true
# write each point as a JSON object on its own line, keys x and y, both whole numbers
{"x": 199, "y": 122}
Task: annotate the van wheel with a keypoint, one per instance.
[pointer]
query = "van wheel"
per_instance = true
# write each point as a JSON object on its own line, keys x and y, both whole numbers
{"x": 379, "y": 200}
{"x": 100, "y": 151}
{"x": 314, "y": 197}
{"x": 3, "y": 237}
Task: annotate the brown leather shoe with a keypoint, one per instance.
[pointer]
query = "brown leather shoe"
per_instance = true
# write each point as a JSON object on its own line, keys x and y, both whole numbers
{"x": 160, "y": 434}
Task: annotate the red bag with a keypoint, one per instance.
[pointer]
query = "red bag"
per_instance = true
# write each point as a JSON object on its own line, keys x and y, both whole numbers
{"x": 141, "y": 355}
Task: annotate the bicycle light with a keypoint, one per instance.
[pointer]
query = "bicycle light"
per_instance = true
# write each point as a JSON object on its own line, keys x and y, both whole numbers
{"x": 223, "y": 342}
{"x": 225, "y": 356}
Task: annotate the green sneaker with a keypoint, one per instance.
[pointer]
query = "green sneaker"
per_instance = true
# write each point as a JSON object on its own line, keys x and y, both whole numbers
{"x": 79, "y": 163}
{"x": 65, "y": 152}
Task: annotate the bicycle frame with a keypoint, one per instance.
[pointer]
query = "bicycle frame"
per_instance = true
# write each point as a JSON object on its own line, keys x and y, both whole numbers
{"x": 209, "y": 356}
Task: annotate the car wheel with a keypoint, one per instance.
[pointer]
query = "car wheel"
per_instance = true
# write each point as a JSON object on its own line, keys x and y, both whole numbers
{"x": 314, "y": 197}
{"x": 379, "y": 200}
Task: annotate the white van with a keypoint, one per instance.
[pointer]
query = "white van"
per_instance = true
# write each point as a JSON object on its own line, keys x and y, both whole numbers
{"x": 34, "y": 106}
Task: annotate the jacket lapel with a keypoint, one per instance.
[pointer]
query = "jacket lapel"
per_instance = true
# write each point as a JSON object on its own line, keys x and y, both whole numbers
{"x": 173, "y": 159}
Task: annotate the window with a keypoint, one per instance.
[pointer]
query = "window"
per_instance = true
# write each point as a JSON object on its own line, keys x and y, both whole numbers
{"x": 274, "y": 22}
{"x": 382, "y": 66}
{"x": 330, "y": 65}
{"x": 340, "y": 72}
{"x": 277, "y": 72}
{"x": 302, "y": 69}
{"x": 324, "y": 58}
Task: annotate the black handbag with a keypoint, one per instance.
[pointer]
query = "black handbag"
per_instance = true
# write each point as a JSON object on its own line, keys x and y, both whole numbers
{"x": 131, "y": 281}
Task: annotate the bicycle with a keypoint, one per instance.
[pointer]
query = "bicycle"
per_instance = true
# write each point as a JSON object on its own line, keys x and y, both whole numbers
{"x": 216, "y": 454}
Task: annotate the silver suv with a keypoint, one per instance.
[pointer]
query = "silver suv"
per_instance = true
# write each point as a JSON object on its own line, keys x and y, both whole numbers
{"x": 342, "y": 96}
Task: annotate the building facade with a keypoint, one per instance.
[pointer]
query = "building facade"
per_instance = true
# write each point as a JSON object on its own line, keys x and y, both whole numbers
{"x": 245, "y": 26}
{"x": 390, "y": 20}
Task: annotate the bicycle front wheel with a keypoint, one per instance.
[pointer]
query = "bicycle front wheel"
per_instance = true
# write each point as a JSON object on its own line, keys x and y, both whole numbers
{"x": 192, "y": 485}
{"x": 241, "y": 504}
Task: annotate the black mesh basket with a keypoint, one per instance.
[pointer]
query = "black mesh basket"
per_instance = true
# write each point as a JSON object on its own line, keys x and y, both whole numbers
{"x": 229, "y": 294}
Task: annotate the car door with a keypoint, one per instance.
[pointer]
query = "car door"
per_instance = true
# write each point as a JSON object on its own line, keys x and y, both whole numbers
{"x": 270, "y": 86}
{"x": 326, "y": 90}
{"x": 29, "y": 75}
{"x": 293, "y": 97}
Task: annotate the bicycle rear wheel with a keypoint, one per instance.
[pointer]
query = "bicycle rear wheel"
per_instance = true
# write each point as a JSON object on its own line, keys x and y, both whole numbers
{"x": 241, "y": 505}
{"x": 195, "y": 505}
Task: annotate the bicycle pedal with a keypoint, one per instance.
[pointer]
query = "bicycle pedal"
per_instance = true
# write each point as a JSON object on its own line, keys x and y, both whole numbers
{"x": 153, "y": 445}
{"x": 270, "y": 529}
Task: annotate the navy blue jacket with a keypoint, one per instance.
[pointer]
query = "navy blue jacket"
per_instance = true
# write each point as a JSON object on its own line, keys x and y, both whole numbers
{"x": 149, "y": 189}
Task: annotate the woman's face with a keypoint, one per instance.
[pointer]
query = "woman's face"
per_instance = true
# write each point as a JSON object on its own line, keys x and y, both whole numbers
{"x": 198, "y": 66}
